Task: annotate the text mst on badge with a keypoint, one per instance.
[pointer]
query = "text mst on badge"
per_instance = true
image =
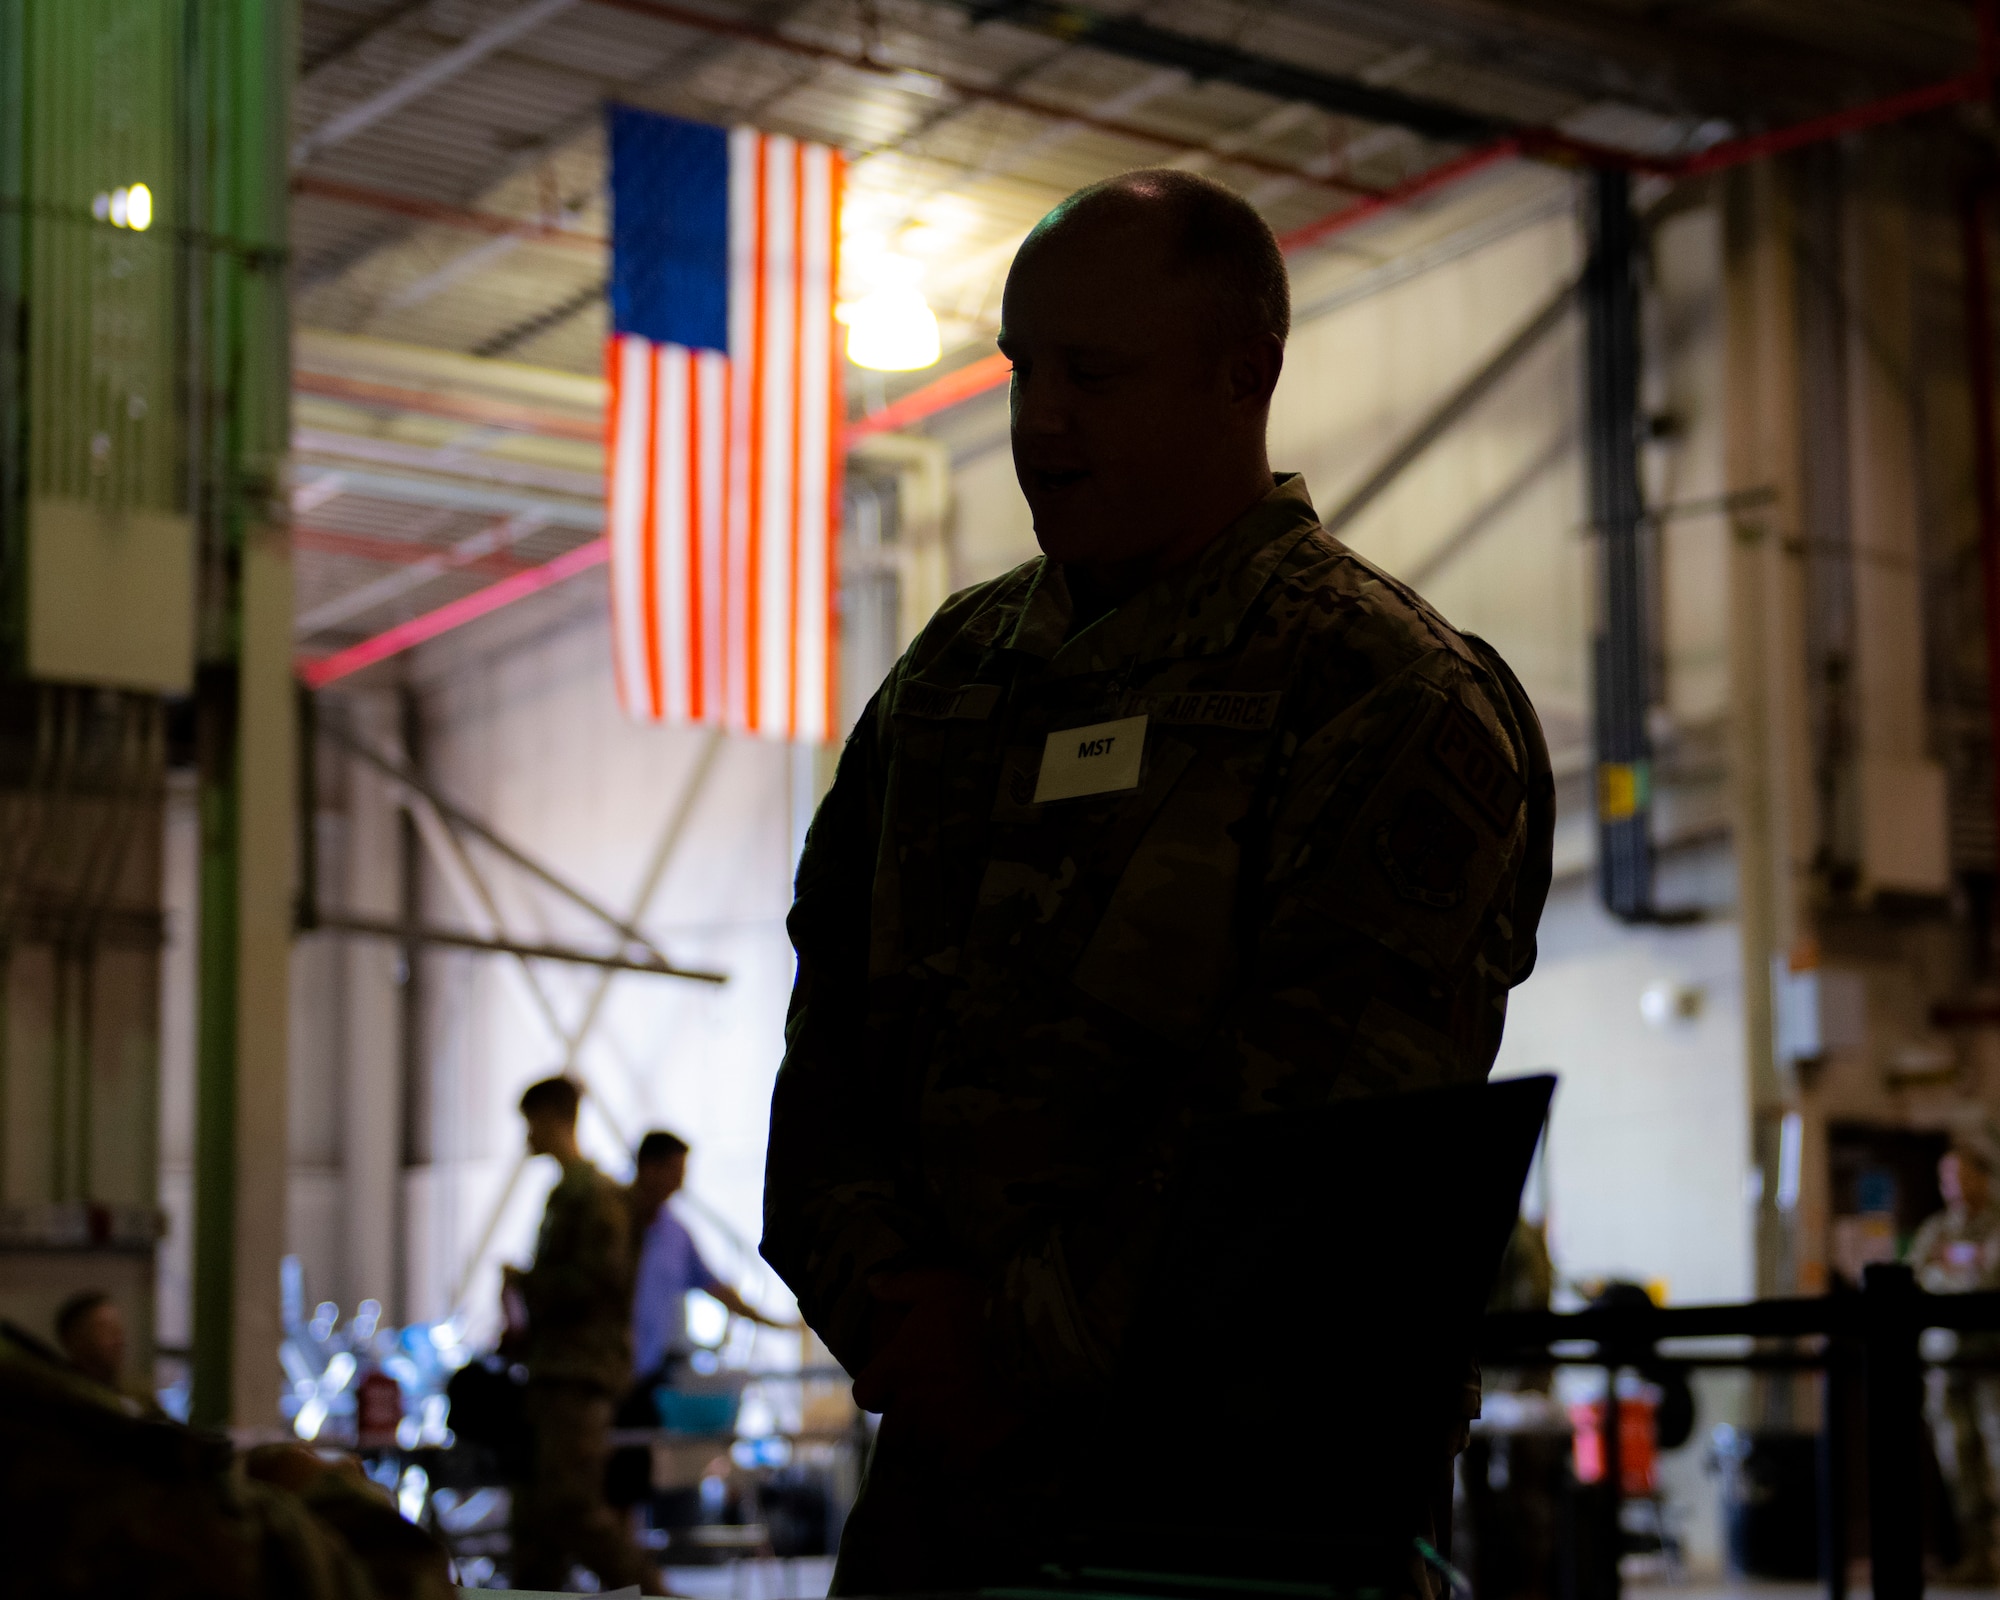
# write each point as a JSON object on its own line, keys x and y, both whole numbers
{"x": 1095, "y": 747}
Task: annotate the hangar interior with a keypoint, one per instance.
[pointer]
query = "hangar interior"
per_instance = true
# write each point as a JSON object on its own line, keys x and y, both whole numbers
{"x": 1652, "y": 343}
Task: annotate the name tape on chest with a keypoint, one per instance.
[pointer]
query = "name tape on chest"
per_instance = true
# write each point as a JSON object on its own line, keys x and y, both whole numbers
{"x": 971, "y": 702}
{"x": 1247, "y": 712}
{"x": 1100, "y": 759}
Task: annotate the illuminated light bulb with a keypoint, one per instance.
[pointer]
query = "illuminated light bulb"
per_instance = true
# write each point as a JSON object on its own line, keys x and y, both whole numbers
{"x": 138, "y": 208}
{"x": 893, "y": 330}
{"x": 121, "y": 200}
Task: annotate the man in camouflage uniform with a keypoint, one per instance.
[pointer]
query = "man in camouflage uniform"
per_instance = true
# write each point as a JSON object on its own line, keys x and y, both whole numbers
{"x": 1198, "y": 816}
{"x": 1955, "y": 1252}
{"x": 97, "y": 1499}
{"x": 579, "y": 1358}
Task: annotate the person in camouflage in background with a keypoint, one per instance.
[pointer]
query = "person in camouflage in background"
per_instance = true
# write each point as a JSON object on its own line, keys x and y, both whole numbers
{"x": 1197, "y": 816}
{"x": 98, "y": 1498}
{"x": 579, "y": 1359}
{"x": 1957, "y": 1251}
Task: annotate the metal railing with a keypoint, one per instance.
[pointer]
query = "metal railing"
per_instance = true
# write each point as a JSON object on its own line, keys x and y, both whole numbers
{"x": 1873, "y": 1332}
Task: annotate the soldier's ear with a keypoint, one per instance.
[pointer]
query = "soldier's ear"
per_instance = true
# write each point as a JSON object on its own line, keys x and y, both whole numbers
{"x": 1251, "y": 370}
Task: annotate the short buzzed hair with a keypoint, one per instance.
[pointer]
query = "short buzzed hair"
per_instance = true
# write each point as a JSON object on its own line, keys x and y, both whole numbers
{"x": 659, "y": 1145}
{"x": 1217, "y": 235}
{"x": 1973, "y": 1148}
{"x": 558, "y": 1095}
{"x": 75, "y": 1309}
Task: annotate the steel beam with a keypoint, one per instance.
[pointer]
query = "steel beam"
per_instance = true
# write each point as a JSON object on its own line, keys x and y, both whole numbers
{"x": 480, "y": 412}
{"x": 468, "y": 219}
{"x": 388, "y": 552}
{"x": 1452, "y": 409}
{"x": 469, "y": 551}
{"x": 439, "y": 69}
{"x": 663, "y": 854}
{"x": 966, "y": 89}
{"x": 1621, "y": 651}
{"x": 449, "y": 462}
{"x": 458, "y": 816}
{"x": 408, "y": 489}
{"x": 1210, "y": 60}
{"x": 451, "y": 939}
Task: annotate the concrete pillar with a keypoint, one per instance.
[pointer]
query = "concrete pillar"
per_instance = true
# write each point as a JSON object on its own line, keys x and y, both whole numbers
{"x": 266, "y": 785}
{"x": 1770, "y": 758}
{"x": 1903, "y": 812}
{"x": 371, "y": 1102}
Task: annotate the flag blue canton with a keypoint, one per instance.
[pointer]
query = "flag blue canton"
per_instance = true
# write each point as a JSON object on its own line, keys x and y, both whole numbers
{"x": 669, "y": 229}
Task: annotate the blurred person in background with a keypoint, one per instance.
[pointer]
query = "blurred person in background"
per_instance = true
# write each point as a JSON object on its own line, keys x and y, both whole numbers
{"x": 667, "y": 1264}
{"x": 1957, "y": 1251}
{"x": 91, "y": 1330}
{"x": 578, "y": 1299}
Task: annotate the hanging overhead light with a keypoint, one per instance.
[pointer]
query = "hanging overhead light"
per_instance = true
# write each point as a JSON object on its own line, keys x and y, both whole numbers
{"x": 125, "y": 208}
{"x": 892, "y": 330}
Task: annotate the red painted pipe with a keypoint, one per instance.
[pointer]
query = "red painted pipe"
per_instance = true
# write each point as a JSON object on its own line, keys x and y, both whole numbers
{"x": 449, "y": 216}
{"x": 319, "y": 672}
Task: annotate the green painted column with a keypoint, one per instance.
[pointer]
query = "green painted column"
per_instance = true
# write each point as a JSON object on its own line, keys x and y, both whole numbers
{"x": 240, "y": 59}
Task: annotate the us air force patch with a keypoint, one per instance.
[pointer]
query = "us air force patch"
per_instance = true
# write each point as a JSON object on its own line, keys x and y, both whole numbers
{"x": 1473, "y": 761}
{"x": 1425, "y": 850}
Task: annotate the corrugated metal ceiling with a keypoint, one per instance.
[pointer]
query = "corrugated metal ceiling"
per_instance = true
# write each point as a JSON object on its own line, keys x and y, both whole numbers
{"x": 954, "y": 180}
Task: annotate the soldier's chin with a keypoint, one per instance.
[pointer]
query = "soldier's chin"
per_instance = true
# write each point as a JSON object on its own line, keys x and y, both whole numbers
{"x": 1066, "y": 537}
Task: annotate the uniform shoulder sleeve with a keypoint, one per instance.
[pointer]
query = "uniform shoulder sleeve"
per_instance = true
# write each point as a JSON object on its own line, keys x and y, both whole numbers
{"x": 1408, "y": 867}
{"x": 833, "y": 1214}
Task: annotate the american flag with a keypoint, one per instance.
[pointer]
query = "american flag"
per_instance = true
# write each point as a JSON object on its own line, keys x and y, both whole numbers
{"x": 725, "y": 424}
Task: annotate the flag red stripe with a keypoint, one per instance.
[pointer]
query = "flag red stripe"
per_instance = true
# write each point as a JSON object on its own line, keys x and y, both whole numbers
{"x": 798, "y": 388}
{"x": 649, "y": 559}
{"x": 754, "y": 537}
{"x": 836, "y": 455}
{"x": 615, "y": 378}
{"x": 694, "y": 537}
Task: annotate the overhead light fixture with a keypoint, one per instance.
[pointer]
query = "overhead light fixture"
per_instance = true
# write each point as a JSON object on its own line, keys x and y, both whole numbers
{"x": 125, "y": 208}
{"x": 892, "y": 330}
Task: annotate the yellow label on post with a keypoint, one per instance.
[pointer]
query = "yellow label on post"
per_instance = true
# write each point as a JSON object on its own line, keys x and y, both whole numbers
{"x": 1100, "y": 759}
{"x": 1621, "y": 790}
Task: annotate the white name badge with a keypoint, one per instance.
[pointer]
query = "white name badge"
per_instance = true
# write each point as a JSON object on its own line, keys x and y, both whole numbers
{"x": 1100, "y": 759}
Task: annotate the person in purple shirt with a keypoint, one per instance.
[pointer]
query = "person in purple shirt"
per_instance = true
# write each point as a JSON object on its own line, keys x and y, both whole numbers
{"x": 668, "y": 1264}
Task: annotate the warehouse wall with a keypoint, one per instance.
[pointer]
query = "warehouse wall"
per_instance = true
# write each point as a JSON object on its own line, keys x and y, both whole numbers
{"x": 525, "y": 731}
{"x": 521, "y": 726}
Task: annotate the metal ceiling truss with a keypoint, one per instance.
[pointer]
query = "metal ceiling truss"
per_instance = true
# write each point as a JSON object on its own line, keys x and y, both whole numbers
{"x": 1176, "y": 57}
{"x": 672, "y": 833}
{"x": 1207, "y": 60}
{"x": 632, "y": 945}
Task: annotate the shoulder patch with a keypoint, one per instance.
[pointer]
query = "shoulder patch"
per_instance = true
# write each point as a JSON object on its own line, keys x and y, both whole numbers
{"x": 1469, "y": 757}
{"x": 935, "y": 703}
{"x": 1214, "y": 708}
{"x": 1425, "y": 850}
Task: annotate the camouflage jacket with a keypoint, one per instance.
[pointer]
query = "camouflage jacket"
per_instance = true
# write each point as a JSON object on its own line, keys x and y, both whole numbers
{"x": 1956, "y": 1251}
{"x": 579, "y": 1291}
{"x": 97, "y": 1501}
{"x": 1323, "y": 883}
